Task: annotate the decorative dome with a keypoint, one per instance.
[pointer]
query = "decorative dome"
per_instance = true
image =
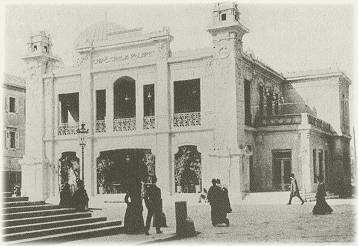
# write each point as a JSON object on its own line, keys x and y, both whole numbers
{"x": 96, "y": 33}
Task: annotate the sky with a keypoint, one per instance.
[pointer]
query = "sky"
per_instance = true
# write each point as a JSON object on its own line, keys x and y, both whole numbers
{"x": 287, "y": 37}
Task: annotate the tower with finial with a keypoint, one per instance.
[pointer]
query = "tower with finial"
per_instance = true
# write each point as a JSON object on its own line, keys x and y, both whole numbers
{"x": 227, "y": 33}
{"x": 40, "y": 65}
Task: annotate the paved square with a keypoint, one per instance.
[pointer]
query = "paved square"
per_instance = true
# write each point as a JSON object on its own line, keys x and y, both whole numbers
{"x": 252, "y": 223}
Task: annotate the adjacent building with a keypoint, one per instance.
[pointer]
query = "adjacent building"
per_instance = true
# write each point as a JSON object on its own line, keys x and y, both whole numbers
{"x": 189, "y": 116}
{"x": 14, "y": 93}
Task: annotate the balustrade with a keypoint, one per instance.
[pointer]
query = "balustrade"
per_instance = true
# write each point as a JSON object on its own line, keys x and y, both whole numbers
{"x": 278, "y": 120}
{"x": 100, "y": 126}
{"x": 148, "y": 122}
{"x": 67, "y": 129}
{"x": 124, "y": 124}
{"x": 187, "y": 119}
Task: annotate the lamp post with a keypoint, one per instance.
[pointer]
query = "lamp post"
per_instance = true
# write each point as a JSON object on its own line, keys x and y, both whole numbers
{"x": 82, "y": 132}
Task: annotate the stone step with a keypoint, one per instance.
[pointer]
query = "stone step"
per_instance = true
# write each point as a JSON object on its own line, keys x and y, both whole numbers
{"x": 51, "y": 224}
{"x": 72, "y": 236}
{"x": 279, "y": 197}
{"x": 7, "y": 194}
{"x": 29, "y": 208}
{"x": 15, "y": 199}
{"x": 42, "y": 219}
{"x": 60, "y": 230}
{"x": 22, "y": 204}
{"x": 29, "y": 214}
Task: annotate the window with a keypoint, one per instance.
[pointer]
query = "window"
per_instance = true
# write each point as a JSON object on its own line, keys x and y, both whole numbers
{"x": 11, "y": 104}
{"x": 261, "y": 99}
{"x": 247, "y": 102}
{"x": 223, "y": 17}
{"x": 314, "y": 166}
{"x": 187, "y": 96}
{"x": 276, "y": 104}
{"x": 12, "y": 138}
{"x": 148, "y": 100}
{"x": 320, "y": 163}
{"x": 100, "y": 104}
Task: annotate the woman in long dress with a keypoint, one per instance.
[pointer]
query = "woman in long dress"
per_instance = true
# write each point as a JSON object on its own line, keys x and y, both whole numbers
{"x": 321, "y": 206}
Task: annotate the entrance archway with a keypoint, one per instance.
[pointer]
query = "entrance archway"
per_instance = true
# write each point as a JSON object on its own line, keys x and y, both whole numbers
{"x": 68, "y": 160}
{"x": 123, "y": 169}
{"x": 187, "y": 170}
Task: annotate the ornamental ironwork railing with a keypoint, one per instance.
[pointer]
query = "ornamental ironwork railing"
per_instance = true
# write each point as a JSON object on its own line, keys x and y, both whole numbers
{"x": 279, "y": 120}
{"x": 187, "y": 119}
{"x": 67, "y": 129}
{"x": 124, "y": 124}
{"x": 148, "y": 122}
{"x": 318, "y": 123}
{"x": 100, "y": 126}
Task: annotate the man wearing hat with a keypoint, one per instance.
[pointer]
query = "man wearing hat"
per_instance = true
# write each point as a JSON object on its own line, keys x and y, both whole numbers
{"x": 294, "y": 189}
{"x": 214, "y": 195}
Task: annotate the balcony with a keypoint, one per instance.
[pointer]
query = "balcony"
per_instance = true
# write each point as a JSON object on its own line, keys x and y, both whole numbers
{"x": 124, "y": 124}
{"x": 67, "y": 129}
{"x": 278, "y": 120}
{"x": 187, "y": 119}
{"x": 149, "y": 122}
{"x": 100, "y": 126}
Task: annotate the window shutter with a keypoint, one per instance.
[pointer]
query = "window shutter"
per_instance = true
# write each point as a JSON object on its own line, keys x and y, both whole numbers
{"x": 17, "y": 142}
{"x": 7, "y": 139}
{"x": 7, "y": 103}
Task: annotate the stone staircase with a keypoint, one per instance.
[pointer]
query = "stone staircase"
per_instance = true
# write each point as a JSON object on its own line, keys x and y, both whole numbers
{"x": 35, "y": 221}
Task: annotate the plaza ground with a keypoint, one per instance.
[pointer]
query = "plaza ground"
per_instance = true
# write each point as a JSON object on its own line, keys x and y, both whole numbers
{"x": 249, "y": 223}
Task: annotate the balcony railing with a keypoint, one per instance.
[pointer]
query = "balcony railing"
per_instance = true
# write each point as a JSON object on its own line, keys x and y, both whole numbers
{"x": 124, "y": 124}
{"x": 67, "y": 129}
{"x": 318, "y": 123}
{"x": 187, "y": 119}
{"x": 148, "y": 122}
{"x": 100, "y": 126}
{"x": 279, "y": 120}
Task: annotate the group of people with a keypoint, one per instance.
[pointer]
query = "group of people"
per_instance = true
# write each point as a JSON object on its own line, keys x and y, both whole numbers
{"x": 74, "y": 196}
{"x": 133, "y": 219}
{"x": 321, "y": 206}
{"x": 218, "y": 198}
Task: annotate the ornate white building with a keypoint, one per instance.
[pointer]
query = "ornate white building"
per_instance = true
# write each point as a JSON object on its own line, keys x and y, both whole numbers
{"x": 189, "y": 116}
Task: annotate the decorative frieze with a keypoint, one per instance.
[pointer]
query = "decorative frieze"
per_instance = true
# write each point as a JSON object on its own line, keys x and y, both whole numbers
{"x": 67, "y": 129}
{"x": 280, "y": 120}
{"x": 124, "y": 124}
{"x": 100, "y": 126}
{"x": 148, "y": 122}
{"x": 187, "y": 119}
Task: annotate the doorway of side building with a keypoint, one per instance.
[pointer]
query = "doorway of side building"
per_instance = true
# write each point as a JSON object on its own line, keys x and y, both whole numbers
{"x": 281, "y": 169}
{"x": 121, "y": 169}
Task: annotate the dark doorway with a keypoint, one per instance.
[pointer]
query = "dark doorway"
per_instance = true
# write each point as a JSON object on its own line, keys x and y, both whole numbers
{"x": 123, "y": 169}
{"x": 252, "y": 174}
{"x": 281, "y": 169}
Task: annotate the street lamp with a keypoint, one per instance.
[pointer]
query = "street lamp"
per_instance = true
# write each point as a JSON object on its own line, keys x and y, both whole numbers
{"x": 82, "y": 132}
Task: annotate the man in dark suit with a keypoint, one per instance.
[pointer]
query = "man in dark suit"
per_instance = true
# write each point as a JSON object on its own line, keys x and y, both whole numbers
{"x": 294, "y": 189}
{"x": 153, "y": 202}
{"x": 214, "y": 198}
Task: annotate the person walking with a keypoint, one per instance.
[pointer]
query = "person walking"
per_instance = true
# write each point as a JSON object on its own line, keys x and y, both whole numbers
{"x": 294, "y": 190}
{"x": 214, "y": 196}
{"x": 321, "y": 206}
{"x": 153, "y": 202}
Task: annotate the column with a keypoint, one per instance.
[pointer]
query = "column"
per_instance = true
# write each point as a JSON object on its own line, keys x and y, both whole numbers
{"x": 304, "y": 153}
{"x": 87, "y": 116}
{"x": 139, "y": 106}
{"x": 109, "y": 108}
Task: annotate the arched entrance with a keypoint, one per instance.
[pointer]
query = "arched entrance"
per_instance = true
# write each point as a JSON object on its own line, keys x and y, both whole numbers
{"x": 68, "y": 160}
{"x": 122, "y": 169}
{"x": 187, "y": 169}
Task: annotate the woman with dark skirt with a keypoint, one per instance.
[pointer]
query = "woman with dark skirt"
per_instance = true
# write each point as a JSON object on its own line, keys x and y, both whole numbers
{"x": 80, "y": 197}
{"x": 65, "y": 196}
{"x": 133, "y": 218}
{"x": 321, "y": 206}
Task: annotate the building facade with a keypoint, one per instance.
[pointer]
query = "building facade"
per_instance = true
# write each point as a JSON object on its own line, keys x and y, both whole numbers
{"x": 187, "y": 116}
{"x": 14, "y": 129}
